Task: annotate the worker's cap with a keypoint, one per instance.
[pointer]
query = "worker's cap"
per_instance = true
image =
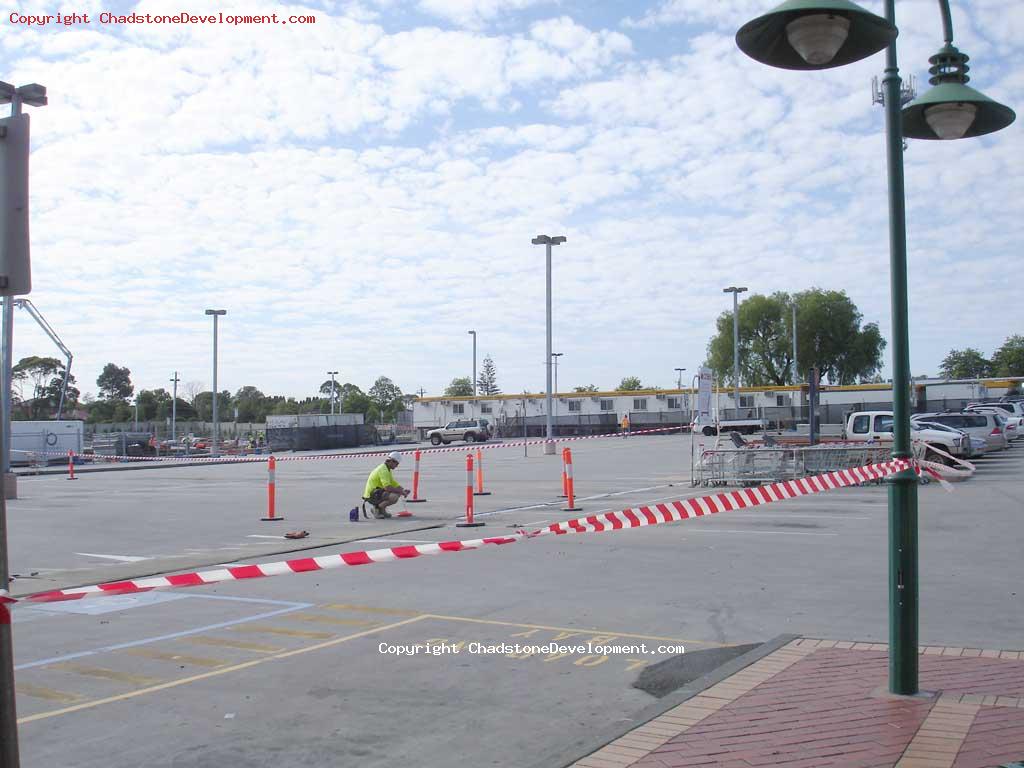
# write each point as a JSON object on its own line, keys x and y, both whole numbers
{"x": 395, "y": 456}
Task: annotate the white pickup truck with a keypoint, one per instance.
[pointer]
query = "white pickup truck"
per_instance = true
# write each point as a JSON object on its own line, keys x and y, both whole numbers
{"x": 876, "y": 426}
{"x": 743, "y": 426}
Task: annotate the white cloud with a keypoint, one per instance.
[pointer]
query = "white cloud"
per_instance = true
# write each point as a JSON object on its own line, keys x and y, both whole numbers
{"x": 360, "y": 185}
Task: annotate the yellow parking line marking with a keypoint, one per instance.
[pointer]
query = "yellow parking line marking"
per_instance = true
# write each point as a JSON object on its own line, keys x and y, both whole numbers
{"x": 181, "y": 658}
{"x": 214, "y": 673}
{"x": 333, "y": 620}
{"x": 225, "y": 643}
{"x": 38, "y": 692}
{"x": 370, "y": 609}
{"x": 577, "y": 630}
{"x": 262, "y": 628}
{"x": 105, "y": 674}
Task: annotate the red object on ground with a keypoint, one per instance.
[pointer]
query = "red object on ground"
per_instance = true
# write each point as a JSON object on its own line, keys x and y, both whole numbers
{"x": 565, "y": 483}
{"x": 71, "y": 466}
{"x": 480, "y": 474}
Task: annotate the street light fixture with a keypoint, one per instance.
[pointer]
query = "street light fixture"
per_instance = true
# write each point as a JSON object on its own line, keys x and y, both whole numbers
{"x": 950, "y": 110}
{"x": 548, "y": 241}
{"x": 33, "y": 95}
{"x": 215, "y": 448}
{"x": 333, "y": 396}
{"x": 735, "y": 343}
{"x": 473, "y": 334}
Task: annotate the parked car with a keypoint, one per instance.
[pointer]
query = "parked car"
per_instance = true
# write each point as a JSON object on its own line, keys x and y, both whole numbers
{"x": 470, "y": 430}
{"x": 876, "y": 426}
{"x": 987, "y": 426}
{"x": 1012, "y": 412}
{"x": 976, "y": 446}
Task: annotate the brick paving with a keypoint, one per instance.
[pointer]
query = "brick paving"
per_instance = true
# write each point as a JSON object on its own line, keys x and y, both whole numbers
{"x": 818, "y": 703}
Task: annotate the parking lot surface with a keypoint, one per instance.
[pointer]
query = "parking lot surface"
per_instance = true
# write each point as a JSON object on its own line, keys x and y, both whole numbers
{"x": 306, "y": 669}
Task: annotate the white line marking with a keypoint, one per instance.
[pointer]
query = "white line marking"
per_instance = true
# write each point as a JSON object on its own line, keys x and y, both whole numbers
{"x": 404, "y": 541}
{"x": 747, "y": 530}
{"x": 537, "y": 522}
{"x": 261, "y": 535}
{"x": 819, "y": 517}
{"x": 121, "y": 558}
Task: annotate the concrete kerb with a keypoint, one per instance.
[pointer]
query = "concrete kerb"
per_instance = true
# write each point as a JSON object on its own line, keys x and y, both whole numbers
{"x": 569, "y": 755}
{"x": 28, "y": 585}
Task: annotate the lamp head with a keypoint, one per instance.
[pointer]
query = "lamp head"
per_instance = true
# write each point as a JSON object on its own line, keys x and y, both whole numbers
{"x": 952, "y": 109}
{"x": 216, "y": 311}
{"x": 814, "y": 34}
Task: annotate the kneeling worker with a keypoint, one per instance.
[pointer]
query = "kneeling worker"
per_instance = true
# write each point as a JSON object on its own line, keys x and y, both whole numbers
{"x": 382, "y": 490}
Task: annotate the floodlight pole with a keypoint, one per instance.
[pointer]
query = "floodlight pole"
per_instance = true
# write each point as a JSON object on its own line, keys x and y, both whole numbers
{"x": 174, "y": 408}
{"x": 215, "y": 448}
{"x": 548, "y": 241}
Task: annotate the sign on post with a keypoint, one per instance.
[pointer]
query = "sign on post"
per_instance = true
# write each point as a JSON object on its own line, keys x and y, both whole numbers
{"x": 15, "y": 267}
{"x": 705, "y": 379}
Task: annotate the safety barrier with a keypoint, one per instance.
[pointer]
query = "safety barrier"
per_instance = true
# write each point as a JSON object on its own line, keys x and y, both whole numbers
{"x": 657, "y": 514}
{"x": 570, "y": 488}
{"x": 416, "y": 480}
{"x": 480, "y": 475}
{"x": 272, "y": 491}
{"x": 469, "y": 522}
{"x": 223, "y": 459}
{"x": 71, "y": 466}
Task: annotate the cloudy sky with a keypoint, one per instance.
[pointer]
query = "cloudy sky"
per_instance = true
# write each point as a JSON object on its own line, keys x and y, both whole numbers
{"x": 359, "y": 192}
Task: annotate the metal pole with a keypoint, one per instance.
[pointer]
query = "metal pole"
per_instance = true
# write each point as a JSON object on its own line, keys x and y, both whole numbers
{"x": 549, "y": 446}
{"x": 736, "y": 350}
{"x": 9, "y": 757}
{"x": 795, "y": 374}
{"x": 474, "y": 363}
{"x": 903, "y": 560}
{"x": 174, "y": 409}
{"x": 216, "y": 424}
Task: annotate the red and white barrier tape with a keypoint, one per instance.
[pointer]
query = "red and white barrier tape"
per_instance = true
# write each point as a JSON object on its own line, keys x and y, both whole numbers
{"x": 226, "y": 459}
{"x": 627, "y": 518}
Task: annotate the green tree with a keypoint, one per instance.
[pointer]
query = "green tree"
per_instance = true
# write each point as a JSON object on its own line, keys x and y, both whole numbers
{"x": 630, "y": 384}
{"x": 115, "y": 383}
{"x": 204, "y": 406}
{"x": 586, "y": 388}
{"x": 1008, "y": 360}
{"x": 251, "y": 404}
{"x": 965, "y": 364}
{"x": 386, "y": 395}
{"x": 37, "y": 371}
{"x": 52, "y": 391}
{"x": 487, "y": 381}
{"x": 460, "y": 387}
{"x": 829, "y": 336}
{"x": 153, "y": 404}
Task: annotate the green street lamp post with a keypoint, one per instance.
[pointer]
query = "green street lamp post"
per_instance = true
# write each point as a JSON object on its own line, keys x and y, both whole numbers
{"x": 820, "y": 34}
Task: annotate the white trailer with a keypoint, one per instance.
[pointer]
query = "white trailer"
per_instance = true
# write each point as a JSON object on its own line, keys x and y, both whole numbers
{"x": 45, "y": 441}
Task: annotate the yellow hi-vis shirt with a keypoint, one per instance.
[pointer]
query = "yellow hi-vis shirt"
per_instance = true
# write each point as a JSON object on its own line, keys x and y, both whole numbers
{"x": 381, "y": 477}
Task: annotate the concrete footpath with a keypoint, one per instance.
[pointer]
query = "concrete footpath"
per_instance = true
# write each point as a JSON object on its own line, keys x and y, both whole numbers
{"x": 812, "y": 703}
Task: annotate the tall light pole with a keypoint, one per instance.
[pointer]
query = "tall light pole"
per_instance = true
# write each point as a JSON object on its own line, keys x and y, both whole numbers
{"x": 333, "y": 374}
{"x": 473, "y": 334}
{"x": 680, "y": 372}
{"x": 215, "y": 449}
{"x": 556, "y": 355}
{"x": 548, "y": 241}
{"x": 17, "y": 280}
{"x": 818, "y": 34}
{"x": 174, "y": 407}
{"x": 735, "y": 343}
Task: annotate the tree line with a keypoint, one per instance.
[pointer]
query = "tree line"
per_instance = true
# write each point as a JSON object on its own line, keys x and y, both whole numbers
{"x": 38, "y": 382}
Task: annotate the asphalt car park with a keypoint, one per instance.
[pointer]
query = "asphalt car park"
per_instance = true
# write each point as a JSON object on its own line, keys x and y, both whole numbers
{"x": 307, "y": 669}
